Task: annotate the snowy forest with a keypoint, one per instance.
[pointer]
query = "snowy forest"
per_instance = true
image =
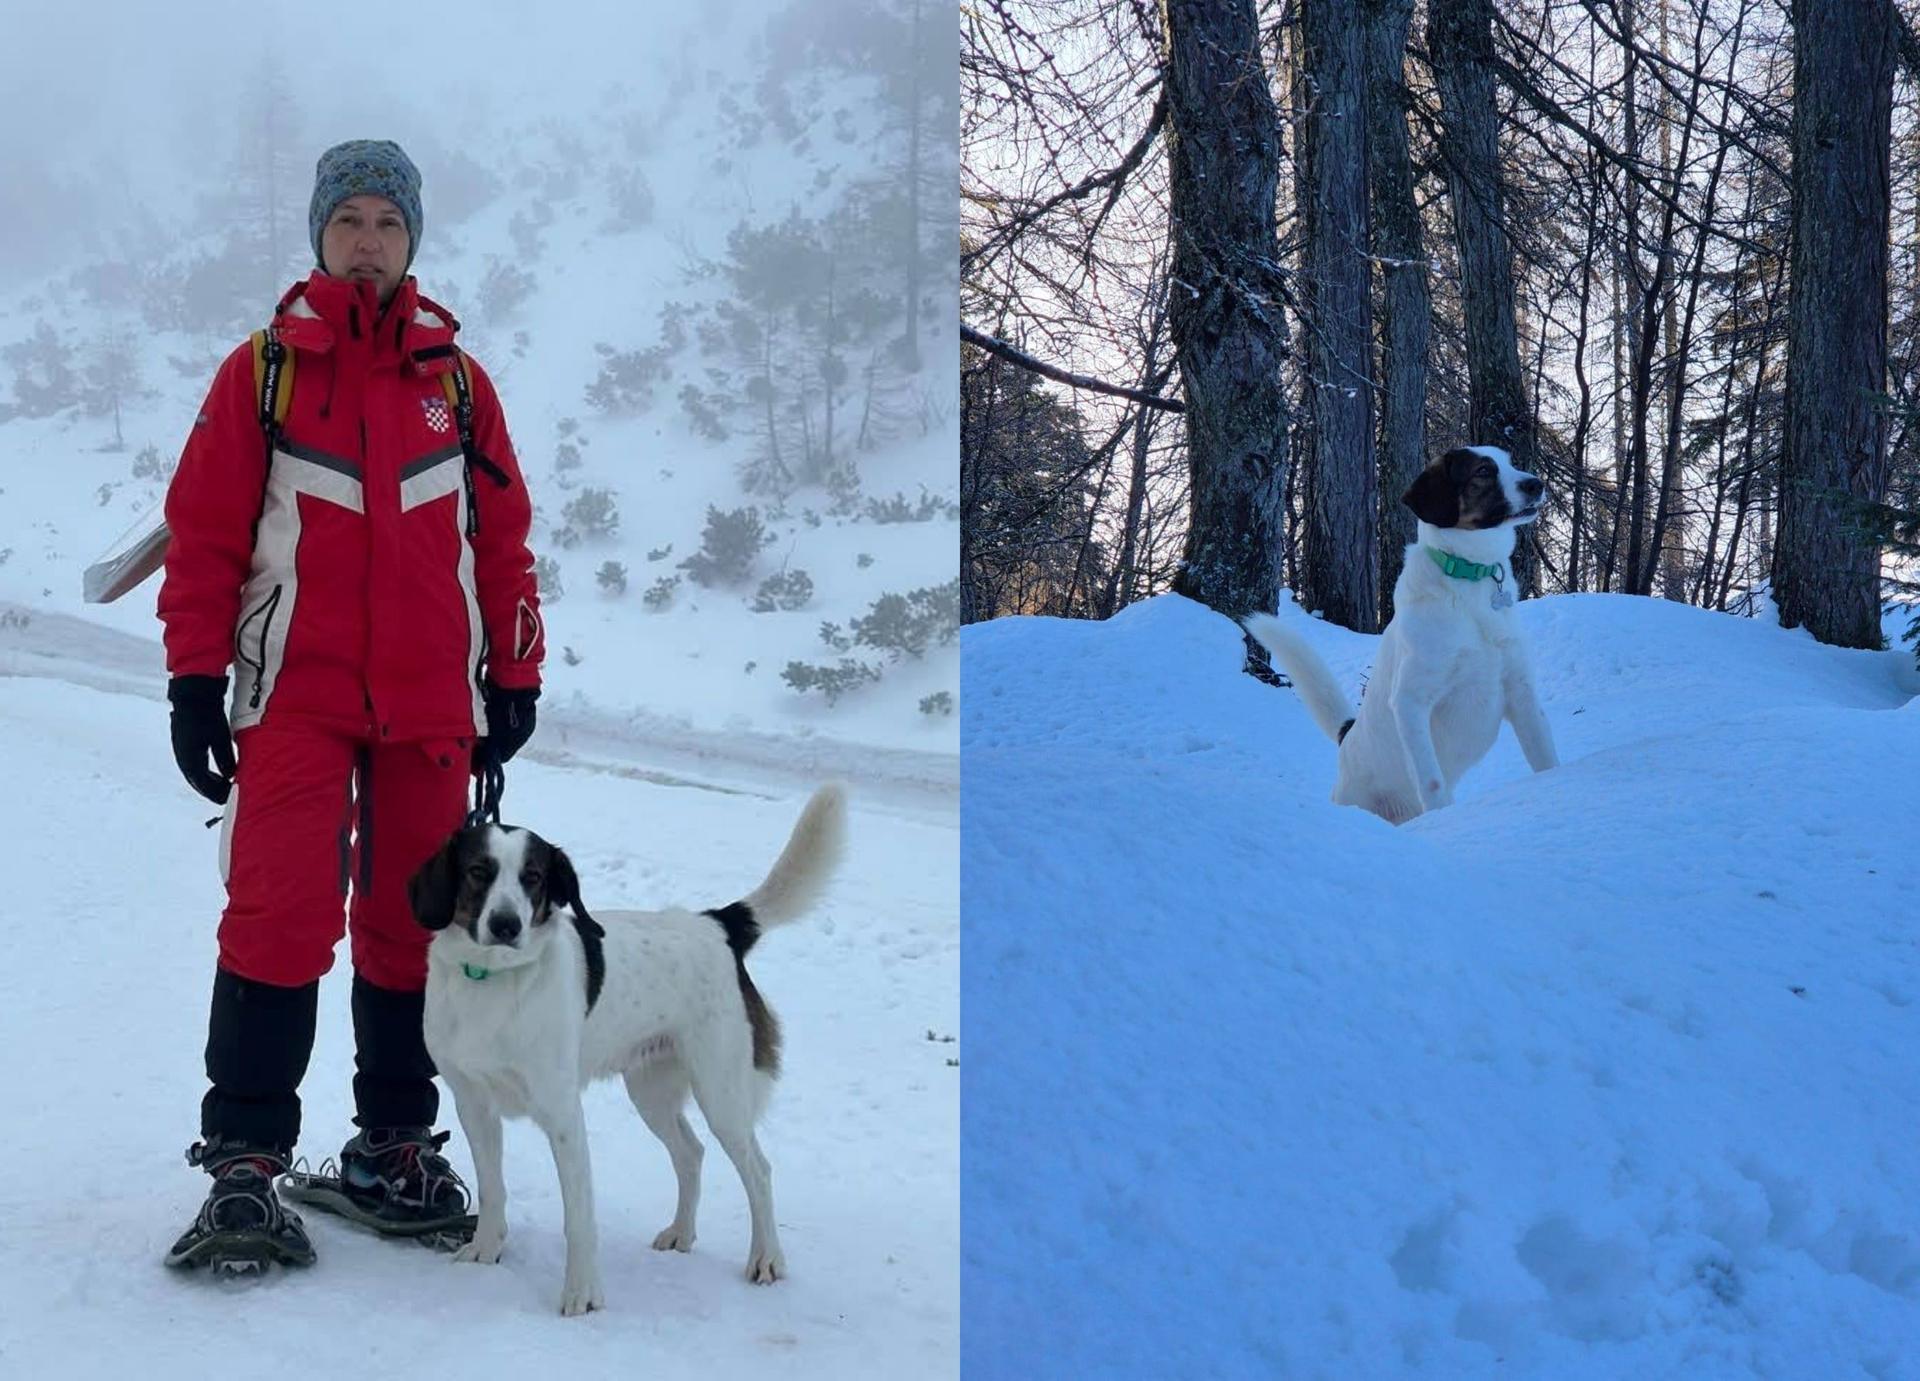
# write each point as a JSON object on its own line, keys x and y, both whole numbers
{"x": 1665, "y": 252}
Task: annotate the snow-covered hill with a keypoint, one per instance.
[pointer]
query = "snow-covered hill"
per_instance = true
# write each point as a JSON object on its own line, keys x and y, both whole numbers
{"x": 1609, "y": 1071}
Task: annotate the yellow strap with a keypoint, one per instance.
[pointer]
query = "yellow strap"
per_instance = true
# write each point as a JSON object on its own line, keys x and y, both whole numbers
{"x": 283, "y": 396}
{"x": 447, "y": 385}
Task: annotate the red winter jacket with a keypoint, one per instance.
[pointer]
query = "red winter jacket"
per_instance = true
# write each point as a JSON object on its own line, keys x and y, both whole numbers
{"x": 359, "y": 602}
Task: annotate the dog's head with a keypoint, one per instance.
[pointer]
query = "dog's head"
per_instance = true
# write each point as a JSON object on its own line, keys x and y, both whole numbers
{"x": 500, "y": 885}
{"x": 1475, "y": 487}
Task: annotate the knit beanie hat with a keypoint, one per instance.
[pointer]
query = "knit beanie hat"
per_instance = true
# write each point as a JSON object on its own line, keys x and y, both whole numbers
{"x": 365, "y": 167}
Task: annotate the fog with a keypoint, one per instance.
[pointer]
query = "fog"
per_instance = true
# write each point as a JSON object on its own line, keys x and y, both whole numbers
{"x": 112, "y": 111}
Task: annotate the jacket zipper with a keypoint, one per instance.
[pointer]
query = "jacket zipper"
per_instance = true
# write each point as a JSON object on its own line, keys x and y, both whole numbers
{"x": 264, "y": 611}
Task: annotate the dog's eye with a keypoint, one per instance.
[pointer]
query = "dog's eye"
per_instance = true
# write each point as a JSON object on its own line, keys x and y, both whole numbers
{"x": 530, "y": 879}
{"x": 476, "y": 872}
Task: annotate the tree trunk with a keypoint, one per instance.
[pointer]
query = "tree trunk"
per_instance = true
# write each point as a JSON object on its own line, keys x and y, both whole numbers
{"x": 910, "y": 357}
{"x": 1120, "y": 578}
{"x": 1460, "y": 38}
{"x": 1406, "y": 303}
{"x": 1343, "y": 559}
{"x": 1826, "y": 572}
{"x": 1224, "y": 310}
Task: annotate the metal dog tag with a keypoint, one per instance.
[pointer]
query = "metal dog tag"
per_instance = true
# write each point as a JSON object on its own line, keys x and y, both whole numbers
{"x": 1501, "y": 599}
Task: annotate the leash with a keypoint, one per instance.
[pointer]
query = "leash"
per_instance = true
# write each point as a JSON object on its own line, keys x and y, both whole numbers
{"x": 489, "y": 785}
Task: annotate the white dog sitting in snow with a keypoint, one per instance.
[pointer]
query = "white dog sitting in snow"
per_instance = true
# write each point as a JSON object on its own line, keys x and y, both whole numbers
{"x": 524, "y": 1008}
{"x": 1451, "y": 664}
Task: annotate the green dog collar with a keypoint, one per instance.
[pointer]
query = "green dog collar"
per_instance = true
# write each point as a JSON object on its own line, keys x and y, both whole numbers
{"x": 1461, "y": 569}
{"x": 471, "y": 972}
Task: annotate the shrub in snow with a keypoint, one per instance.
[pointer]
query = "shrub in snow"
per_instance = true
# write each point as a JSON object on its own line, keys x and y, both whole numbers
{"x": 629, "y": 198}
{"x": 907, "y": 625}
{"x": 939, "y": 703}
{"x": 44, "y": 379}
{"x": 546, "y": 572}
{"x": 151, "y": 465}
{"x": 627, "y": 378}
{"x": 589, "y": 514}
{"x": 728, "y": 546}
{"x": 504, "y": 288}
{"x": 524, "y": 227}
{"x": 831, "y": 681}
{"x": 787, "y": 590}
{"x": 844, "y": 485}
{"x": 900, "y": 509}
{"x": 660, "y": 594}
{"x": 703, "y": 410}
{"x": 612, "y": 576}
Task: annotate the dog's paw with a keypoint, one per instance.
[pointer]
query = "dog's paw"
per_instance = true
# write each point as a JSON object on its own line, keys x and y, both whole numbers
{"x": 763, "y": 1268}
{"x": 673, "y": 1239}
{"x": 579, "y": 1296}
{"x": 483, "y": 1250}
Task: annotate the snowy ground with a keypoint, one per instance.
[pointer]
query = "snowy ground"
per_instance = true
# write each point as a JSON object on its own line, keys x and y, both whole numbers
{"x": 104, "y": 1022}
{"x": 1612, "y": 1071}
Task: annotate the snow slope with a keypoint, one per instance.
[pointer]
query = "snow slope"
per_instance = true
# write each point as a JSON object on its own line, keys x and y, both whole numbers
{"x": 1611, "y": 1071}
{"x": 103, "y": 1017}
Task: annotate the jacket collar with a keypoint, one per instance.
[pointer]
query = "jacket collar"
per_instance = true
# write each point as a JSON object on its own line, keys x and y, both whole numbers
{"x": 322, "y": 311}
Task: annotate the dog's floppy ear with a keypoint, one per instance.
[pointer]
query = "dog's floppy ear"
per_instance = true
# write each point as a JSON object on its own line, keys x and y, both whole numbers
{"x": 563, "y": 889}
{"x": 434, "y": 887}
{"x": 1434, "y": 498}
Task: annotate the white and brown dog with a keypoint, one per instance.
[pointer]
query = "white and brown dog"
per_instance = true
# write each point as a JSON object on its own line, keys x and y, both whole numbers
{"x": 523, "y": 1009}
{"x": 1451, "y": 664}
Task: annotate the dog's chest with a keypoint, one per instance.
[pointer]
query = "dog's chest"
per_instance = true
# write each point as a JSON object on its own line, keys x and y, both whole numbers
{"x": 490, "y": 1035}
{"x": 1466, "y": 720}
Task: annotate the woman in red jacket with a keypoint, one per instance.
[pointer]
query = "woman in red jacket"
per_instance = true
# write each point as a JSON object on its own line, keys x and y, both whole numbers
{"x": 371, "y": 590}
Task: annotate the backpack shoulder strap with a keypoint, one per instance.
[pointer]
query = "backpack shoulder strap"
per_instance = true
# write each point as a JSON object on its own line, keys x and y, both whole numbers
{"x": 272, "y": 382}
{"x": 459, "y": 390}
{"x": 273, "y": 387}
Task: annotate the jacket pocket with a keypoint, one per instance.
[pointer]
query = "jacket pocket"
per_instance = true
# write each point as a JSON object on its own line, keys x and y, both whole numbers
{"x": 251, "y": 636}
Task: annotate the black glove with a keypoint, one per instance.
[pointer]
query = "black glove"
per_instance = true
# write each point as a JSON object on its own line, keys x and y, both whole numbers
{"x": 509, "y": 721}
{"x": 199, "y": 728}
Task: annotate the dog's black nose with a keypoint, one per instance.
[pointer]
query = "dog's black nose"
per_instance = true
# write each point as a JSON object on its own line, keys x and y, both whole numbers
{"x": 504, "y": 926}
{"x": 1532, "y": 487}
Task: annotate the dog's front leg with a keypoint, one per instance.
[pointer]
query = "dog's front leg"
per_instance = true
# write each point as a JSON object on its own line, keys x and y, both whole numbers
{"x": 1528, "y": 719}
{"x": 1414, "y": 695}
{"x": 564, "y": 1121}
{"x": 480, "y": 1120}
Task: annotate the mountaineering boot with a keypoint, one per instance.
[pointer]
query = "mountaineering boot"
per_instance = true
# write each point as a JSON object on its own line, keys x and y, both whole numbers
{"x": 397, "y": 1175}
{"x": 395, "y": 1181}
{"x": 242, "y": 1227}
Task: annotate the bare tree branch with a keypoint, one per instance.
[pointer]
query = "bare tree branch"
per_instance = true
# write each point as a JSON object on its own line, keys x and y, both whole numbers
{"x": 1013, "y": 355}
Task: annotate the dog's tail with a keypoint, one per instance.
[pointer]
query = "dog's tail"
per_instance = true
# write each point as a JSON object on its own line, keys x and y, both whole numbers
{"x": 794, "y": 885}
{"x": 1311, "y": 677}
{"x": 801, "y": 872}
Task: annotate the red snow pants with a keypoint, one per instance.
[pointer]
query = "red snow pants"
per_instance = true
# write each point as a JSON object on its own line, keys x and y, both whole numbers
{"x": 317, "y": 815}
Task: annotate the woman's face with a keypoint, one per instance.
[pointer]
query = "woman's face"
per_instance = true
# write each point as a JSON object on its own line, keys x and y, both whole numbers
{"x": 365, "y": 240}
